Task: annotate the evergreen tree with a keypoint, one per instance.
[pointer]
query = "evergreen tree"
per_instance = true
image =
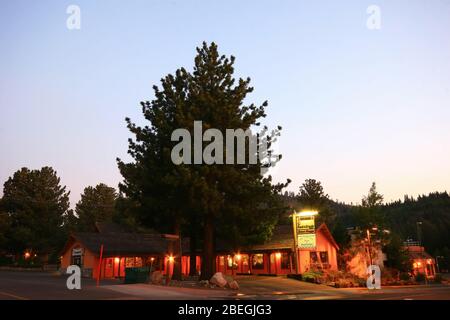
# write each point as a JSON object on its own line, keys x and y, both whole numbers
{"x": 203, "y": 196}
{"x": 5, "y": 223}
{"x": 311, "y": 196}
{"x": 36, "y": 204}
{"x": 370, "y": 213}
{"x": 97, "y": 204}
{"x": 397, "y": 256}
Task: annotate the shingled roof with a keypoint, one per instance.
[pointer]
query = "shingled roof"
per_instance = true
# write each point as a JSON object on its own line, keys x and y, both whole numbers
{"x": 121, "y": 243}
{"x": 282, "y": 238}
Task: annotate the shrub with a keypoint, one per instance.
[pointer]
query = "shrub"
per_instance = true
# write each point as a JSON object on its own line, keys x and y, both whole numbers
{"x": 5, "y": 261}
{"x": 438, "y": 278}
{"x": 313, "y": 276}
{"x": 420, "y": 277}
{"x": 404, "y": 276}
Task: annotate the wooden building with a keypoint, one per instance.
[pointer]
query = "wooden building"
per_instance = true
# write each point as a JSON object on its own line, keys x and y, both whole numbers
{"x": 123, "y": 250}
{"x": 120, "y": 250}
{"x": 276, "y": 257}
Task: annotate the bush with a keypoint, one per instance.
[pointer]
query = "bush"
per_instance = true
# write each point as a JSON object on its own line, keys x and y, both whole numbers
{"x": 438, "y": 278}
{"x": 5, "y": 261}
{"x": 420, "y": 277}
{"x": 313, "y": 276}
{"x": 404, "y": 276}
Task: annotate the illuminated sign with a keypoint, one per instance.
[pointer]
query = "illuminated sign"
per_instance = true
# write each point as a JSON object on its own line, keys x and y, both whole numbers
{"x": 77, "y": 251}
{"x": 306, "y": 241}
{"x": 305, "y": 231}
{"x": 305, "y": 225}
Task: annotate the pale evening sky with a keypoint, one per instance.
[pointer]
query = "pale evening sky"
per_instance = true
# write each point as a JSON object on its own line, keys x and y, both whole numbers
{"x": 356, "y": 105}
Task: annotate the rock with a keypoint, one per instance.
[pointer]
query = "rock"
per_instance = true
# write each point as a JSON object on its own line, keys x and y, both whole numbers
{"x": 218, "y": 279}
{"x": 157, "y": 277}
{"x": 233, "y": 285}
{"x": 204, "y": 283}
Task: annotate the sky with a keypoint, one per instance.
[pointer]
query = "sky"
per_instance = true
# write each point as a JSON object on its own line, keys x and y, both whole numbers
{"x": 356, "y": 104}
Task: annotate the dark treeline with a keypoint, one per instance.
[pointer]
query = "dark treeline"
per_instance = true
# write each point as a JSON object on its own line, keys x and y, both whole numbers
{"x": 425, "y": 218}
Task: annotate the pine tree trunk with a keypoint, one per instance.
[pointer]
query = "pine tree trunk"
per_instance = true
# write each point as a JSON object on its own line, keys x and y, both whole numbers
{"x": 208, "y": 262}
{"x": 177, "y": 253}
{"x": 193, "y": 253}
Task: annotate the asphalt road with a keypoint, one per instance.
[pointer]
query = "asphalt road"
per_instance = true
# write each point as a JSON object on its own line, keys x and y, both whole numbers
{"x": 46, "y": 286}
{"x": 430, "y": 292}
{"x": 28, "y": 285}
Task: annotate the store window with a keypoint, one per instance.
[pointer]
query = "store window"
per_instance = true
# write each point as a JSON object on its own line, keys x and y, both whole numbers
{"x": 258, "y": 261}
{"x": 244, "y": 260}
{"x": 229, "y": 262}
{"x": 221, "y": 261}
{"x": 313, "y": 257}
{"x": 285, "y": 261}
{"x": 131, "y": 262}
{"x": 324, "y": 257}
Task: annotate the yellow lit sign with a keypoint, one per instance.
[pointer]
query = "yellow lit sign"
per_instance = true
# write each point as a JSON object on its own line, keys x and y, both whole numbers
{"x": 304, "y": 225}
{"x": 306, "y": 241}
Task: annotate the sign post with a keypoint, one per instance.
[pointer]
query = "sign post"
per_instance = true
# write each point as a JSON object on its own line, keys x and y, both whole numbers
{"x": 294, "y": 220}
{"x": 99, "y": 265}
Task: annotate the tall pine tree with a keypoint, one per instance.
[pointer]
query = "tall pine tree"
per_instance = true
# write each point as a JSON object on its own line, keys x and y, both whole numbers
{"x": 233, "y": 201}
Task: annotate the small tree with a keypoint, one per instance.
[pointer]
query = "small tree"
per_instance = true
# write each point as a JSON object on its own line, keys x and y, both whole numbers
{"x": 370, "y": 213}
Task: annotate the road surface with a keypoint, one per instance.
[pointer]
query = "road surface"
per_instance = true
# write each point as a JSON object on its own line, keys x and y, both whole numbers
{"x": 46, "y": 286}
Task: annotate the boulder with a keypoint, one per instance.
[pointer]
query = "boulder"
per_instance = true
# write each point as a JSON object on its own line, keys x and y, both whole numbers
{"x": 233, "y": 285}
{"x": 157, "y": 277}
{"x": 218, "y": 279}
{"x": 204, "y": 283}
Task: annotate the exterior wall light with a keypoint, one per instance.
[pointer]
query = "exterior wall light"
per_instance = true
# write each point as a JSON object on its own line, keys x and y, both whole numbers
{"x": 308, "y": 213}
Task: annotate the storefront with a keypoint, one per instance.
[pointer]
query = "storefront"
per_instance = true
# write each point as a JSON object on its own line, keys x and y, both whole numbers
{"x": 108, "y": 254}
{"x": 422, "y": 262}
{"x": 279, "y": 255}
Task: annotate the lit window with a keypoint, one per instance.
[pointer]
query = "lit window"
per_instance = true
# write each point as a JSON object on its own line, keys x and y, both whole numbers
{"x": 258, "y": 261}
